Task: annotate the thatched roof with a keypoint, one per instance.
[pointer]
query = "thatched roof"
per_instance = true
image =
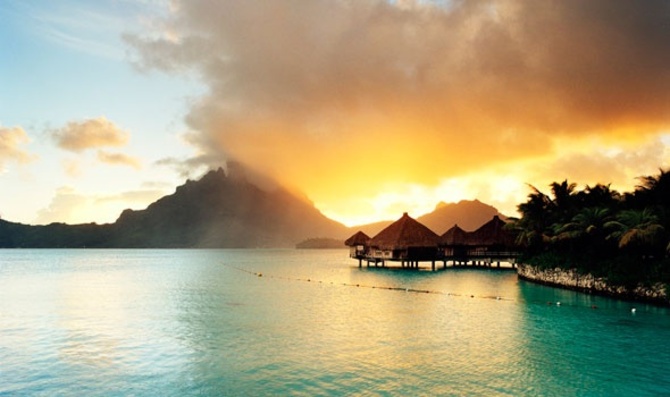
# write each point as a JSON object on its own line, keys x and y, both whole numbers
{"x": 454, "y": 236}
{"x": 403, "y": 233}
{"x": 359, "y": 238}
{"x": 492, "y": 233}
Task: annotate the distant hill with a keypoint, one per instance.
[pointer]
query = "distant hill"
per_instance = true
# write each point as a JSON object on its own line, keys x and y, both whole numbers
{"x": 372, "y": 229}
{"x": 55, "y": 235}
{"x": 468, "y": 214}
{"x": 215, "y": 211}
{"x": 320, "y": 243}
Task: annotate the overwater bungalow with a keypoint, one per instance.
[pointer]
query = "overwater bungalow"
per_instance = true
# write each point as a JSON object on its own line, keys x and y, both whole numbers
{"x": 405, "y": 240}
{"x": 410, "y": 242}
{"x": 491, "y": 240}
{"x": 454, "y": 243}
{"x": 358, "y": 245}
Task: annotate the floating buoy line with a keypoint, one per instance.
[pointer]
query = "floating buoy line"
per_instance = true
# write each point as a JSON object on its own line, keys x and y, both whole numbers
{"x": 402, "y": 289}
{"x": 358, "y": 285}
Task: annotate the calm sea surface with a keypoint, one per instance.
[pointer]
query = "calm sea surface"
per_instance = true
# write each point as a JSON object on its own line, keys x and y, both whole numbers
{"x": 294, "y": 322}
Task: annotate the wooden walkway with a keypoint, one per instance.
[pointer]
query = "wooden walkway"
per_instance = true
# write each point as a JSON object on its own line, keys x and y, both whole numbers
{"x": 483, "y": 260}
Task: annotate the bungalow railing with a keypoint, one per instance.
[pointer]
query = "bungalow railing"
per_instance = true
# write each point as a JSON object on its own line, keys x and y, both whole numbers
{"x": 444, "y": 253}
{"x": 483, "y": 254}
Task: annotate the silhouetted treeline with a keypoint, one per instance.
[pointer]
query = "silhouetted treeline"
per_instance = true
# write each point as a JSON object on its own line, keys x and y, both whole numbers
{"x": 597, "y": 230}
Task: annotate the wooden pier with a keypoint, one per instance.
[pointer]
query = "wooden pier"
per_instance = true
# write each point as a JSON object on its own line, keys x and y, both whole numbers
{"x": 488, "y": 262}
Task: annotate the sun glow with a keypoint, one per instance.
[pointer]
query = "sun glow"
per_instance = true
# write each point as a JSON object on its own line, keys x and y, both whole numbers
{"x": 502, "y": 191}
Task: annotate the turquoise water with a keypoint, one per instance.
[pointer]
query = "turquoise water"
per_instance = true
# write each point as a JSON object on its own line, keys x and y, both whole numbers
{"x": 203, "y": 322}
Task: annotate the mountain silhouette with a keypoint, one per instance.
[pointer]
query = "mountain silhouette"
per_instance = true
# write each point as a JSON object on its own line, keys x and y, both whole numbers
{"x": 216, "y": 211}
{"x": 224, "y": 211}
{"x": 467, "y": 214}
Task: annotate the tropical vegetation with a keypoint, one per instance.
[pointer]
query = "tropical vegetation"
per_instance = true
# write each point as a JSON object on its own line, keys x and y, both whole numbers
{"x": 621, "y": 237}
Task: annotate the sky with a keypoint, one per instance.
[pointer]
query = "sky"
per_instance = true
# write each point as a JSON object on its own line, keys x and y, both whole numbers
{"x": 369, "y": 108}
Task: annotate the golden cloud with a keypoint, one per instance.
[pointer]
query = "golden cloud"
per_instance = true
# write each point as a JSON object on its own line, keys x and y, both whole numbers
{"x": 119, "y": 159}
{"x": 77, "y": 136}
{"x": 11, "y": 139}
{"x": 344, "y": 98}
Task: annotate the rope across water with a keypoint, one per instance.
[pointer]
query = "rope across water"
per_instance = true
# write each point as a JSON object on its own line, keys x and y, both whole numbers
{"x": 358, "y": 285}
{"x": 406, "y": 289}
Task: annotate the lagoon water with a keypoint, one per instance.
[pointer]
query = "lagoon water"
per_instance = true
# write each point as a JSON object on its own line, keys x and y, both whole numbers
{"x": 309, "y": 322}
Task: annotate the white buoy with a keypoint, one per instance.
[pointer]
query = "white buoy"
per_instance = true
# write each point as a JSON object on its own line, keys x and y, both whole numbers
{"x": 558, "y": 303}
{"x": 633, "y": 310}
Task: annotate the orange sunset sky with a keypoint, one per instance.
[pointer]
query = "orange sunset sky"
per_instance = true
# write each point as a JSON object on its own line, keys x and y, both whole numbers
{"x": 370, "y": 108}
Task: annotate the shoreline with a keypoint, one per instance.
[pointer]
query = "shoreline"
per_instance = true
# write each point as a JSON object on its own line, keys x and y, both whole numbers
{"x": 588, "y": 284}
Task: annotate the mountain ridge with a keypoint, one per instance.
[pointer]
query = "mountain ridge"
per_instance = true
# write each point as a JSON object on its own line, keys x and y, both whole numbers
{"x": 222, "y": 211}
{"x": 467, "y": 214}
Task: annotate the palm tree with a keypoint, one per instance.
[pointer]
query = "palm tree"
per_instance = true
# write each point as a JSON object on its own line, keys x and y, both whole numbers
{"x": 589, "y": 222}
{"x": 658, "y": 182}
{"x": 638, "y": 230}
{"x": 653, "y": 190}
{"x": 642, "y": 240}
{"x": 584, "y": 238}
{"x": 563, "y": 193}
{"x": 534, "y": 222}
{"x": 543, "y": 216}
{"x": 599, "y": 196}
